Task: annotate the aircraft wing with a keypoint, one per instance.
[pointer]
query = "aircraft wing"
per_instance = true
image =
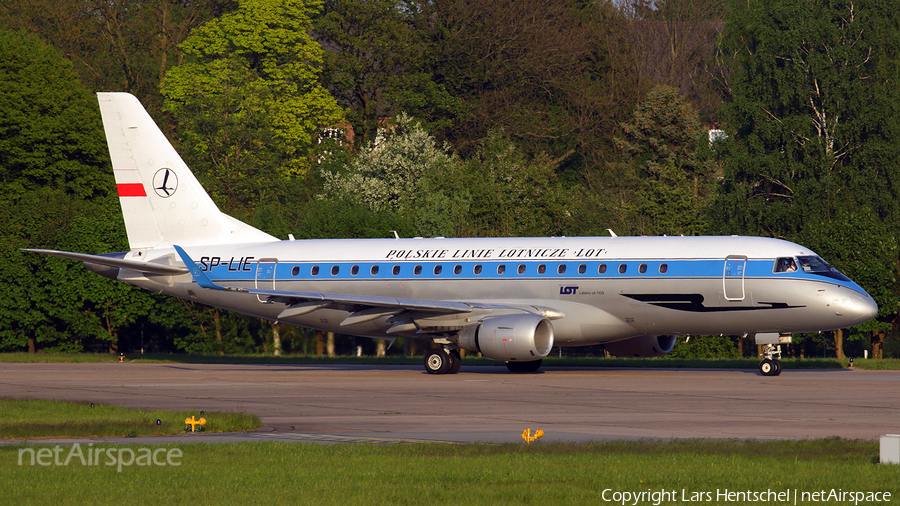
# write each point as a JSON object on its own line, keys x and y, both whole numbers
{"x": 373, "y": 307}
{"x": 292, "y": 297}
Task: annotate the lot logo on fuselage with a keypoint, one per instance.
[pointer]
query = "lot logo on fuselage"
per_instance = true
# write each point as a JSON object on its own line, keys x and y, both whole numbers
{"x": 568, "y": 290}
{"x": 165, "y": 182}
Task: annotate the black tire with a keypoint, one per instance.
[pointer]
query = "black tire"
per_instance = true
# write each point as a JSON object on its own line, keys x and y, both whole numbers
{"x": 767, "y": 367}
{"x": 437, "y": 362}
{"x": 455, "y": 362}
{"x": 524, "y": 367}
{"x": 777, "y": 367}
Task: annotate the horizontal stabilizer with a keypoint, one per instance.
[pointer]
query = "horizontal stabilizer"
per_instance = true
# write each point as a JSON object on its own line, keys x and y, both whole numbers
{"x": 121, "y": 263}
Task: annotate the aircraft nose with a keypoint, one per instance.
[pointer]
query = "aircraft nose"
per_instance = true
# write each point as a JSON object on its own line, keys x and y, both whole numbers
{"x": 866, "y": 308}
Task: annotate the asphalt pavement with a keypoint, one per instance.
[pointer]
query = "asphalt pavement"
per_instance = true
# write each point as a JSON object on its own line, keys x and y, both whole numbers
{"x": 395, "y": 404}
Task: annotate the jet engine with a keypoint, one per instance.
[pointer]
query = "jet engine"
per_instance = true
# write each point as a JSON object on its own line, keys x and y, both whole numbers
{"x": 642, "y": 346}
{"x": 520, "y": 337}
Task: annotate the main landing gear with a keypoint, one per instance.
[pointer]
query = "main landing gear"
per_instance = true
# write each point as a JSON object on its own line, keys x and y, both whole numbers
{"x": 770, "y": 365}
{"x": 444, "y": 360}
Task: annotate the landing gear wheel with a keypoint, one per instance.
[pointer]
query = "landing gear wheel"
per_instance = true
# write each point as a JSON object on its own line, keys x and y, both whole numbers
{"x": 437, "y": 362}
{"x": 524, "y": 367}
{"x": 455, "y": 362}
{"x": 768, "y": 368}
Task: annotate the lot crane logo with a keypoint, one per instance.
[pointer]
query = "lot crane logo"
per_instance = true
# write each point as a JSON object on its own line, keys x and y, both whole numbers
{"x": 165, "y": 182}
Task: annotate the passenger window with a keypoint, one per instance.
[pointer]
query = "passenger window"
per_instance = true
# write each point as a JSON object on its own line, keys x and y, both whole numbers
{"x": 417, "y": 270}
{"x": 601, "y": 269}
{"x": 785, "y": 265}
{"x": 438, "y": 269}
{"x": 521, "y": 269}
{"x": 374, "y": 270}
{"x": 314, "y": 271}
{"x": 561, "y": 269}
{"x": 623, "y": 268}
{"x": 542, "y": 269}
{"x": 335, "y": 270}
{"x": 295, "y": 270}
{"x": 501, "y": 269}
{"x": 457, "y": 269}
{"x": 354, "y": 270}
{"x": 396, "y": 270}
{"x": 642, "y": 268}
{"x": 663, "y": 268}
{"x": 582, "y": 269}
{"x": 477, "y": 269}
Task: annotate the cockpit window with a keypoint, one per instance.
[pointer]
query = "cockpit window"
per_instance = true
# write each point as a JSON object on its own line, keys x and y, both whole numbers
{"x": 813, "y": 264}
{"x": 786, "y": 264}
{"x": 810, "y": 264}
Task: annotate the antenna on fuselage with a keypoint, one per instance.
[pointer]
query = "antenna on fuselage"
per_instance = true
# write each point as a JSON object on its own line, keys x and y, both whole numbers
{"x": 396, "y": 235}
{"x": 611, "y": 233}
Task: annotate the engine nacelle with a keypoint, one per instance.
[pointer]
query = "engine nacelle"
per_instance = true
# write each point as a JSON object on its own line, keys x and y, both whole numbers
{"x": 521, "y": 337}
{"x": 642, "y": 346}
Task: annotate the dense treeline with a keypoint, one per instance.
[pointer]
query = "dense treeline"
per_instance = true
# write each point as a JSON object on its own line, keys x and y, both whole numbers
{"x": 349, "y": 118}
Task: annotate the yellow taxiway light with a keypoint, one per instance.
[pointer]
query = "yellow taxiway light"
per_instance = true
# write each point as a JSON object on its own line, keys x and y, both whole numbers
{"x": 529, "y": 437}
{"x": 193, "y": 423}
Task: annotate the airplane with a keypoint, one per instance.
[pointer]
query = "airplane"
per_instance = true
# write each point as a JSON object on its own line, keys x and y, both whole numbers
{"x": 510, "y": 299}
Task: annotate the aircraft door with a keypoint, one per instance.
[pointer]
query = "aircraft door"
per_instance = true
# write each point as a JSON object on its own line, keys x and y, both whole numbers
{"x": 733, "y": 277}
{"x": 265, "y": 276}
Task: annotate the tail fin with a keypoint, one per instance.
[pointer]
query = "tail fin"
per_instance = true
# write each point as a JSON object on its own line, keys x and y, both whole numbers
{"x": 162, "y": 202}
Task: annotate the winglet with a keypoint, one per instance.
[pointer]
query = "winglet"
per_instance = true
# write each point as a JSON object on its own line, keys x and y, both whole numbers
{"x": 199, "y": 276}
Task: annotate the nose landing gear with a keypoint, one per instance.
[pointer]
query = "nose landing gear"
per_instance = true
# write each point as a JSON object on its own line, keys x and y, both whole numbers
{"x": 771, "y": 343}
{"x": 770, "y": 366}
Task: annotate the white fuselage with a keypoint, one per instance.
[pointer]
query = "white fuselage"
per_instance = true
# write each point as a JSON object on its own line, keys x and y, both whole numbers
{"x": 607, "y": 289}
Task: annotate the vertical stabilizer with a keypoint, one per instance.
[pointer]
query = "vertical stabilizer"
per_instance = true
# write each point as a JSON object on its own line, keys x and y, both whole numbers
{"x": 162, "y": 202}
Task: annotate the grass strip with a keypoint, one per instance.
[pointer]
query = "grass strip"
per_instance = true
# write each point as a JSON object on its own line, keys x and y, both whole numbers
{"x": 474, "y": 474}
{"x": 33, "y": 418}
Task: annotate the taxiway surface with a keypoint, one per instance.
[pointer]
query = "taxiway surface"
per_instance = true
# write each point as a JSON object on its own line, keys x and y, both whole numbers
{"x": 487, "y": 404}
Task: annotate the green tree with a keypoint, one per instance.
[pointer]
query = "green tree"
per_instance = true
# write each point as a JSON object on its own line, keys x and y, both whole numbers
{"x": 556, "y": 77}
{"x": 812, "y": 123}
{"x": 671, "y": 42}
{"x": 57, "y": 192}
{"x": 115, "y": 45}
{"x": 704, "y": 347}
{"x": 511, "y": 193}
{"x": 376, "y": 64}
{"x": 248, "y": 99}
{"x": 669, "y": 171}
{"x": 498, "y": 191}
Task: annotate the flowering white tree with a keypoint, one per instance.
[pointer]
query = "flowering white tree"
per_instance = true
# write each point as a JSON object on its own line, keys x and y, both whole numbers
{"x": 498, "y": 191}
{"x": 389, "y": 174}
